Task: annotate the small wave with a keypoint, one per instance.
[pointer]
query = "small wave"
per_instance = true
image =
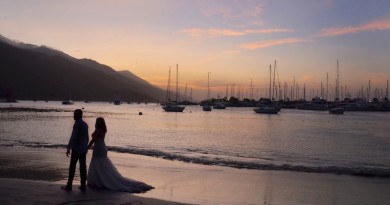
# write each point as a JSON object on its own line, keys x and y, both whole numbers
{"x": 364, "y": 171}
{"x": 356, "y": 171}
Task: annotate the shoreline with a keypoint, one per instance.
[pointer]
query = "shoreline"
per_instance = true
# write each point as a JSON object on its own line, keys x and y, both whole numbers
{"x": 34, "y": 175}
{"x": 358, "y": 171}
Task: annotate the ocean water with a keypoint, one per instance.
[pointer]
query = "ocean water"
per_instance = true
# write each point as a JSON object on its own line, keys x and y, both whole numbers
{"x": 356, "y": 143}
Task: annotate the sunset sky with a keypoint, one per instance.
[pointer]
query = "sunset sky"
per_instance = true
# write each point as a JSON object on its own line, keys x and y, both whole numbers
{"x": 235, "y": 40}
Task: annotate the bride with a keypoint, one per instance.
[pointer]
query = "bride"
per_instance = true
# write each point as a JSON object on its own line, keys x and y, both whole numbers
{"x": 102, "y": 173}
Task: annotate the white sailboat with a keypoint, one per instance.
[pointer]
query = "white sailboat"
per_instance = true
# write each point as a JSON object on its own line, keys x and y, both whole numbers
{"x": 171, "y": 106}
{"x": 266, "y": 106}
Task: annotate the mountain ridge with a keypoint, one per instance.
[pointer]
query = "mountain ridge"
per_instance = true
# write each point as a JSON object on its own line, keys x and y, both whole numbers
{"x": 40, "y": 72}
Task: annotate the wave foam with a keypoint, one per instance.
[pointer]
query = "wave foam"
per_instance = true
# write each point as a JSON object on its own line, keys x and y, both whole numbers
{"x": 220, "y": 161}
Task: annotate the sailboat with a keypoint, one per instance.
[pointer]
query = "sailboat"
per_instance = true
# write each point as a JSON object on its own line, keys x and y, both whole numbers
{"x": 67, "y": 102}
{"x": 338, "y": 110}
{"x": 171, "y": 106}
{"x": 207, "y": 107}
{"x": 117, "y": 101}
{"x": 265, "y": 105}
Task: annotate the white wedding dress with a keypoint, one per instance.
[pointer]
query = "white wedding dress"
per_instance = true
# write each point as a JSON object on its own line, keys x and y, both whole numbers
{"x": 103, "y": 174}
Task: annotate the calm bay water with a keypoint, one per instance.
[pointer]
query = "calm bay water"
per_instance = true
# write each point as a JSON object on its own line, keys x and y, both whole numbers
{"x": 356, "y": 143}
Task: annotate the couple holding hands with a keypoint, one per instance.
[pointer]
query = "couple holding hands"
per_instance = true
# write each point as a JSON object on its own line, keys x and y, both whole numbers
{"x": 102, "y": 172}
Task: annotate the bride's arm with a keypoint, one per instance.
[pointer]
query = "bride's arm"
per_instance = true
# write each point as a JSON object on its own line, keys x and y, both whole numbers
{"x": 92, "y": 140}
{"x": 96, "y": 134}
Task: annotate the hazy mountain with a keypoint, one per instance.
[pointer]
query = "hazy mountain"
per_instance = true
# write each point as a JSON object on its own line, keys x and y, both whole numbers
{"x": 43, "y": 73}
{"x": 126, "y": 77}
{"x": 132, "y": 76}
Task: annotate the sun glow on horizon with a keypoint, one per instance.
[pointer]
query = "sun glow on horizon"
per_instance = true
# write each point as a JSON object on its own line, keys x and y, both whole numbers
{"x": 236, "y": 41}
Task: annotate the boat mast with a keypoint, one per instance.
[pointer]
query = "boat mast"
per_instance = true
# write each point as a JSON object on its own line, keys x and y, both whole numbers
{"x": 168, "y": 95}
{"x": 273, "y": 83}
{"x": 279, "y": 89}
{"x": 185, "y": 93}
{"x": 208, "y": 85}
{"x": 251, "y": 91}
{"x": 387, "y": 90}
{"x": 276, "y": 90}
{"x": 369, "y": 90}
{"x": 232, "y": 89}
{"x": 327, "y": 86}
{"x": 293, "y": 90}
{"x": 191, "y": 95}
{"x": 227, "y": 91}
{"x": 177, "y": 81}
{"x": 337, "y": 83}
{"x": 270, "y": 71}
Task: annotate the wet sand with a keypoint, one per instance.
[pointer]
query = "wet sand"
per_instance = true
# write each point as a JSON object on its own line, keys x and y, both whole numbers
{"x": 18, "y": 191}
{"x": 34, "y": 176}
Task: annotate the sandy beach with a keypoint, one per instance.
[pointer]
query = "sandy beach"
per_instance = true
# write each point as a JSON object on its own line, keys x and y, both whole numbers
{"x": 19, "y": 191}
{"x": 34, "y": 176}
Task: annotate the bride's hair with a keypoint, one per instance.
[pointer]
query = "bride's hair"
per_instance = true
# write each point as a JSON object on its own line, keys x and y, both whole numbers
{"x": 100, "y": 123}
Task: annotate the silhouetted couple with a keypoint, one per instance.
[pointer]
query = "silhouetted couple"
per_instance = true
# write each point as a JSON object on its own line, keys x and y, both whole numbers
{"x": 102, "y": 173}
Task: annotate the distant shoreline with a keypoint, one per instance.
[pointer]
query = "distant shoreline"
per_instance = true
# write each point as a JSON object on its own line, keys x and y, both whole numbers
{"x": 27, "y": 109}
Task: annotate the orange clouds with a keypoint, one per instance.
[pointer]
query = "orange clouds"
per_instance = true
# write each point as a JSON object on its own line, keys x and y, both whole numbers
{"x": 270, "y": 43}
{"x": 368, "y": 27}
{"x": 213, "y": 32}
{"x": 372, "y": 26}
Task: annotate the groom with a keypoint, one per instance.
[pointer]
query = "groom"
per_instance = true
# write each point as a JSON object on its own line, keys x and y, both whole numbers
{"x": 78, "y": 143}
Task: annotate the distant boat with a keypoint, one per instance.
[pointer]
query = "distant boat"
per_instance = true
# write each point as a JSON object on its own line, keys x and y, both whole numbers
{"x": 172, "y": 106}
{"x": 206, "y": 108}
{"x": 67, "y": 102}
{"x": 266, "y": 106}
{"x": 355, "y": 105}
{"x": 267, "y": 110}
{"x": 219, "y": 105}
{"x": 7, "y": 100}
{"x": 117, "y": 102}
{"x": 337, "y": 110}
{"x": 315, "y": 104}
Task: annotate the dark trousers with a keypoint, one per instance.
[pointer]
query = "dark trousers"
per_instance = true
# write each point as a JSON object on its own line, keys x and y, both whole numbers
{"x": 83, "y": 167}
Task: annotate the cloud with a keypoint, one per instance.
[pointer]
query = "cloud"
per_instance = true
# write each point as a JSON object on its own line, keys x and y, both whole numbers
{"x": 207, "y": 60}
{"x": 271, "y": 43}
{"x": 230, "y": 9}
{"x": 214, "y": 32}
{"x": 231, "y": 52}
{"x": 233, "y": 13}
{"x": 371, "y": 26}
